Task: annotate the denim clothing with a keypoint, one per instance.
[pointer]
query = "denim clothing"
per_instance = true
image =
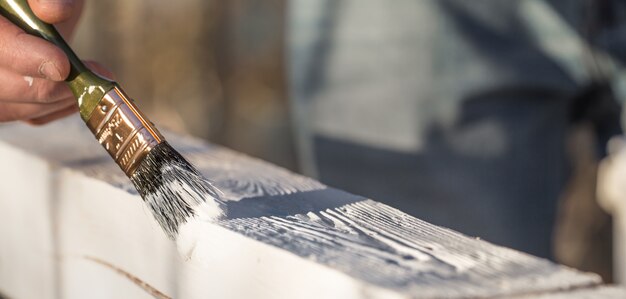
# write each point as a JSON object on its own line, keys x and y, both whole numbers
{"x": 453, "y": 111}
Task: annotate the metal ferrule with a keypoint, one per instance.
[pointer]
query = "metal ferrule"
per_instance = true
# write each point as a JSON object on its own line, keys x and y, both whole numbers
{"x": 122, "y": 130}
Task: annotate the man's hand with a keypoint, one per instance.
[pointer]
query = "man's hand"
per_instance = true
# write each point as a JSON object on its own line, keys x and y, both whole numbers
{"x": 32, "y": 69}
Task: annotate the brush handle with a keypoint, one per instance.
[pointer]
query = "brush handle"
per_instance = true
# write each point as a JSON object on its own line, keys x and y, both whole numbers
{"x": 126, "y": 134}
{"x": 88, "y": 88}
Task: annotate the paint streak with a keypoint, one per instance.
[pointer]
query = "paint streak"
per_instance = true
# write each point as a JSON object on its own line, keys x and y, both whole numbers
{"x": 383, "y": 246}
{"x": 237, "y": 182}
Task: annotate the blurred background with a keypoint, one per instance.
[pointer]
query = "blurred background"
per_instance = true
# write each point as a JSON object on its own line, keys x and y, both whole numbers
{"x": 212, "y": 69}
{"x": 220, "y": 70}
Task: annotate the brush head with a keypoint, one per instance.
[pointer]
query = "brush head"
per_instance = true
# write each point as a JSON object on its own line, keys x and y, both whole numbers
{"x": 174, "y": 190}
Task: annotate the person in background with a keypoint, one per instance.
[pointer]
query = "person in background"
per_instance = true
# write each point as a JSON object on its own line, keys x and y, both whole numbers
{"x": 454, "y": 111}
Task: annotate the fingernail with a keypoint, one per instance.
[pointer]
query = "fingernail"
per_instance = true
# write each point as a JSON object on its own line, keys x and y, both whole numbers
{"x": 50, "y": 71}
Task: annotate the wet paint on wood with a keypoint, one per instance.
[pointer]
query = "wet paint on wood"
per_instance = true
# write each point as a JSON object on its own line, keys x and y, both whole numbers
{"x": 284, "y": 235}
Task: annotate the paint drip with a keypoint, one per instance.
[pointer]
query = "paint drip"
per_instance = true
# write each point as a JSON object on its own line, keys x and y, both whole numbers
{"x": 175, "y": 191}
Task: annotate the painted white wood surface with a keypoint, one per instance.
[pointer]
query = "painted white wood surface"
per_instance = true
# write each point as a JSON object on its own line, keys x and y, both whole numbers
{"x": 64, "y": 203}
{"x": 602, "y": 292}
{"x": 27, "y": 228}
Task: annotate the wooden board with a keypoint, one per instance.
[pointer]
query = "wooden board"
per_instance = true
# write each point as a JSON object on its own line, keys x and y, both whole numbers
{"x": 603, "y": 292}
{"x": 285, "y": 235}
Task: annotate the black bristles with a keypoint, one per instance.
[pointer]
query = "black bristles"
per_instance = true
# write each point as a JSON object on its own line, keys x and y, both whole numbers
{"x": 172, "y": 188}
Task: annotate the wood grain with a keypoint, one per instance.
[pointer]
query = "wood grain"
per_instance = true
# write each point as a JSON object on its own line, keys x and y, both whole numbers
{"x": 369, "y": 242}
{"x": 386, "y": 247}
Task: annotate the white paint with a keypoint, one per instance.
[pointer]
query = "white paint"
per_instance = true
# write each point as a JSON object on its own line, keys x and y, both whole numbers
{"x": 207, "y": 210}
{"x": 115, "y": 226}
{"x": 88, "y": 90}
{"x": 361, "y": 249}
{"x": 178, "y": 191}
{"x": 191, "y": 233}
{"x": 28, "y": 247}
{"x": 29, "y": 80}
{"x": 230, "y": 171}
{"x": 603, "y": 292}
{"x": 191, "y": 237}
{"x": 239, "y": 267}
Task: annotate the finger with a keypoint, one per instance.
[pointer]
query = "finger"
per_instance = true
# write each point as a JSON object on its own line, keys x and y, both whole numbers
{"x": 42, "y": 120}
{"x": 68, "y": 27}
{"x": 29, "y": 55}
{"x": 23, "y": 89}
{"x": 53, "y": 11}
{"x": 14, "y": 111}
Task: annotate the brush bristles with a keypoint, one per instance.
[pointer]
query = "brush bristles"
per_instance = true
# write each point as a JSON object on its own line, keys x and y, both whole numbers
{"x": 174, "y": 190}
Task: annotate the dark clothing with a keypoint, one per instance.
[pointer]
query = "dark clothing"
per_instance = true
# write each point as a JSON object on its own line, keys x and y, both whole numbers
{"x": 455, "y": 112}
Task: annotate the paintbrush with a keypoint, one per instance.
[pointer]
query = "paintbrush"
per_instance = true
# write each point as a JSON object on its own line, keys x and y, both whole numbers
{"x": 170, "y": 186}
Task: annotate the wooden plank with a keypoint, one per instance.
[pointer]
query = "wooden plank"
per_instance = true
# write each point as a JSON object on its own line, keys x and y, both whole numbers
{"x": 28, "y": 247}
{"x": 285, "y": 235}
{"x": 602, "y": 292}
